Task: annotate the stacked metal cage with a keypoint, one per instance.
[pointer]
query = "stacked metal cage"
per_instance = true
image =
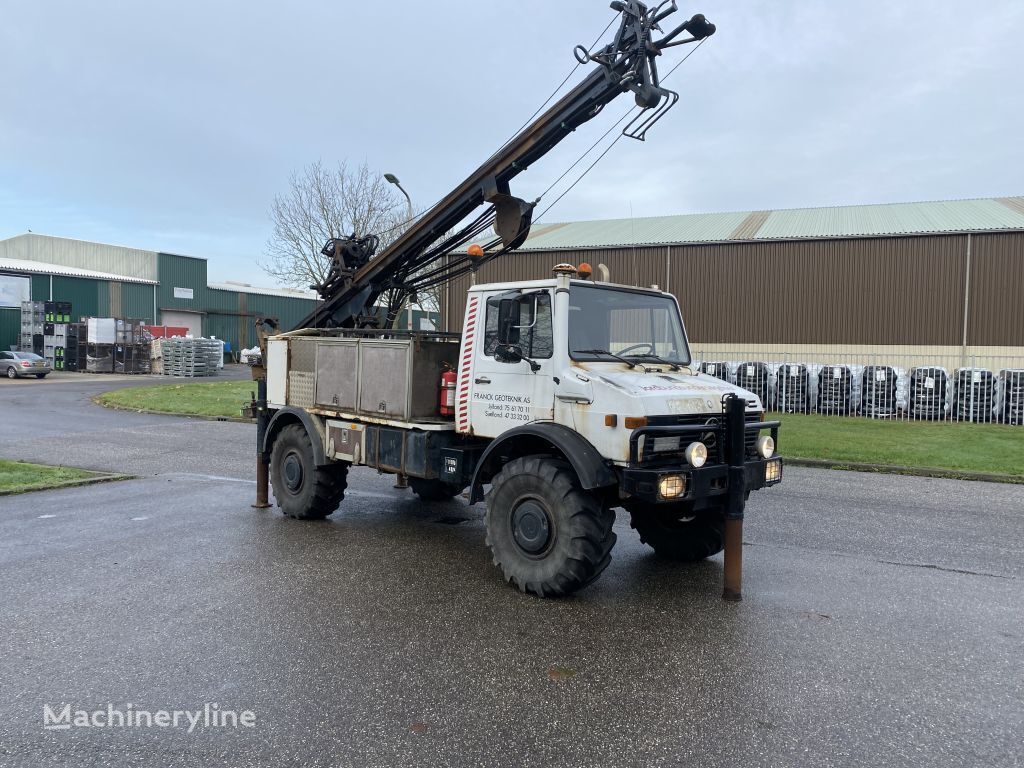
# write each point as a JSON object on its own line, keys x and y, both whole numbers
{"x": 878, "y": 391}
{"x": 755, "y": 377}
{"x": 190, "y": 357}
{"x": 929, "y": 392}
{"x": 835, "y": 390}
{"x": 792, "y": 388}
{"x": 1010, "y": 396}
{"x": 720, "y": 370}
{"x": 975, "y": 393}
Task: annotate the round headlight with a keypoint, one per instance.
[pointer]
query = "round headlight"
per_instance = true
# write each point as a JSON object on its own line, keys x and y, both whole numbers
{"x": 766, "y": 446}
{"x": 696, "y": 455}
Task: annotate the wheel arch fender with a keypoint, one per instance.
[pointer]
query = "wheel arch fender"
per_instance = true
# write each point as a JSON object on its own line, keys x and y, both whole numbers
{"x": 542, "y": 437}
{"x": 314, "y": 428}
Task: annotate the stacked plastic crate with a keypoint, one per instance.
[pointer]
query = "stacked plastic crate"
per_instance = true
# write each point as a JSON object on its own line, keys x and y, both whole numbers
{"x": 57, "y": 316}
{"x": 33, "y": 318}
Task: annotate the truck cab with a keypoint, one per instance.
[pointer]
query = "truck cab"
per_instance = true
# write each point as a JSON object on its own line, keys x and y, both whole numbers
{"x": 612, "y": 363}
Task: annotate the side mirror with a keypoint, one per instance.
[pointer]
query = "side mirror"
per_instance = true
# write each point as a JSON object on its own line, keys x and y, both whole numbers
{"x": 508, "y": 320}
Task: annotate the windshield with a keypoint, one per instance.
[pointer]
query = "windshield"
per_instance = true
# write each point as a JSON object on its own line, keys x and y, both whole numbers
{"x": 630, "y": 324}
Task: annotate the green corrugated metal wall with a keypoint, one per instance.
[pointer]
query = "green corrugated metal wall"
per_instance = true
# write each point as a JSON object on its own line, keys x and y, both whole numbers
{"x": 181, "y": 272}
{"x": 137, "y": 301}
{"x": 10, "y": 327}
{"x": 89, "y": 298}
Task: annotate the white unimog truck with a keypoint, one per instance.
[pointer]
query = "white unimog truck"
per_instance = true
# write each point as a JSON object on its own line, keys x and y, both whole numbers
{"x": 561, "y": 400}
{"x": 570, "y": 398}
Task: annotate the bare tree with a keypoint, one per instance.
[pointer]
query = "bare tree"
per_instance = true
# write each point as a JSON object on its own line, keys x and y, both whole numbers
{"x": 324, "y": 203}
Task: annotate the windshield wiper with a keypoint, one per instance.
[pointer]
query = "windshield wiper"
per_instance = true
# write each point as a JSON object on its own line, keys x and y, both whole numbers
{"x": 662, "y": 360}
{"x": 621, "y": 359}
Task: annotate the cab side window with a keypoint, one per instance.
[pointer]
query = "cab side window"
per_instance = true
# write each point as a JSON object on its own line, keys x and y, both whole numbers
{"x": 535, "y": 336}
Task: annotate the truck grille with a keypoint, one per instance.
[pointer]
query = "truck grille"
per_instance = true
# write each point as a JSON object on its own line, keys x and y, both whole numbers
{"x": 713, "y": 438}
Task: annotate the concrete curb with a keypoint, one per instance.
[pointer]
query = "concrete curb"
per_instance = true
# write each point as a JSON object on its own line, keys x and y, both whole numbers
{"x": 892, "y": 469}
{"x": 100, "y": 478}
{"x": 235, "y": 419}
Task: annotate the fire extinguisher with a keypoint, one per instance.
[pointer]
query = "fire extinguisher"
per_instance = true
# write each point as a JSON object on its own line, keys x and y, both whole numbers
{"x": 448, "y": 379}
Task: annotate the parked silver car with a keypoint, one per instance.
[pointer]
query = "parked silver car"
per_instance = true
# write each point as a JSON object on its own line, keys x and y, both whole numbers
{"x": 17, "y": 364}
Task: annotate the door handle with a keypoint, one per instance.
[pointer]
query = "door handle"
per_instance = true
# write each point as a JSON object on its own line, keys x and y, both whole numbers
{"x": 482, "y": 380}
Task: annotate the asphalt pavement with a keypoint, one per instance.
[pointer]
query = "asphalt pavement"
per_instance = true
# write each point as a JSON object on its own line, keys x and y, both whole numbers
{"x": 883, "y": 620}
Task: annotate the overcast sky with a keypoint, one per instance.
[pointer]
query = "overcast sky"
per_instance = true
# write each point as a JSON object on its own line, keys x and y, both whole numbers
{"x": 171, "y": 126}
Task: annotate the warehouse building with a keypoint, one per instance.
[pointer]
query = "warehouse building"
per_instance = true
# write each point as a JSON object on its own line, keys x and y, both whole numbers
{"x": 939, "y": 283}
{"x": 113, "y": 281}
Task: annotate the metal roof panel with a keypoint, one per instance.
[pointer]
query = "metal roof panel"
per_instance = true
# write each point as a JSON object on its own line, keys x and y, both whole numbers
{"x": 43, "y": 268}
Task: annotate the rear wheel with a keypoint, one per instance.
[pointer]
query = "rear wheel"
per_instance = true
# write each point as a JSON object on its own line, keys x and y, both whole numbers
{"x": 302, "y": 489}
{"x": 433, "y": 490}
{"x": 680, "y": 534}
{"x": 548, "y": 535}
{"x": 40, "y": 375}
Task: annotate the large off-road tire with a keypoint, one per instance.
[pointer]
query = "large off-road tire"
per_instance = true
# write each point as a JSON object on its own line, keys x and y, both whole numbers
{"x": 302, "y": 489}
{"x": 680, "y": 534}
{"x": 433, "y": 490}
{"x": 548, "y": 535}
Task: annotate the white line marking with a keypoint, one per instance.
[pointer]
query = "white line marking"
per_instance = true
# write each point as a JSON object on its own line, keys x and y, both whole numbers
{"x": 218, "y": 478}
{"x": 137, "y": 519}
{"x": 46, "y": 517}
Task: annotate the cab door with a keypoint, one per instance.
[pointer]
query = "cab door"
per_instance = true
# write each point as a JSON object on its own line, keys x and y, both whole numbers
{"x": 507, "y": 393}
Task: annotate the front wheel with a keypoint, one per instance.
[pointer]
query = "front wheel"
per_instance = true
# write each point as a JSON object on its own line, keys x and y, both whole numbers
{"x": 679, "y": 534}
{"x": 11, "y": 373}
{"x": 548, "y": 535}
{"x": 302, "y": 489}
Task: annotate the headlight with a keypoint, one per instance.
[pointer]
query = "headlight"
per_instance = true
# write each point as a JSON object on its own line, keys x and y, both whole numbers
{"x": 672, "y": 486}
{"x": 696, "y": 455}
{"x": 766, "y": 446}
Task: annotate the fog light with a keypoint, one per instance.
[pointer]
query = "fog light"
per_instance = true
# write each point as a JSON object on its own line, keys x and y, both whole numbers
{"x": 696, "y": 455}
{"x": 773, "y": 471}
{"x": 766, "y": 446}
{"x": 672, "y": 486}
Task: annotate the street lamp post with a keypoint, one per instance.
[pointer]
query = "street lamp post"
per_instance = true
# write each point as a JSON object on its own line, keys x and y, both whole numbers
{"x": 402, "y": 481}
{"x": 390, "y": 178}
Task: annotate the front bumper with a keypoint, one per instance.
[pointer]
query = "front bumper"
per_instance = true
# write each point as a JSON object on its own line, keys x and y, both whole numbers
{"x": 702, "y": 485}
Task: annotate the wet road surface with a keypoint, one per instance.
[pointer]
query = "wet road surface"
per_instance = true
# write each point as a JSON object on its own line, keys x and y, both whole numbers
{"x": 883, "y": 621}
